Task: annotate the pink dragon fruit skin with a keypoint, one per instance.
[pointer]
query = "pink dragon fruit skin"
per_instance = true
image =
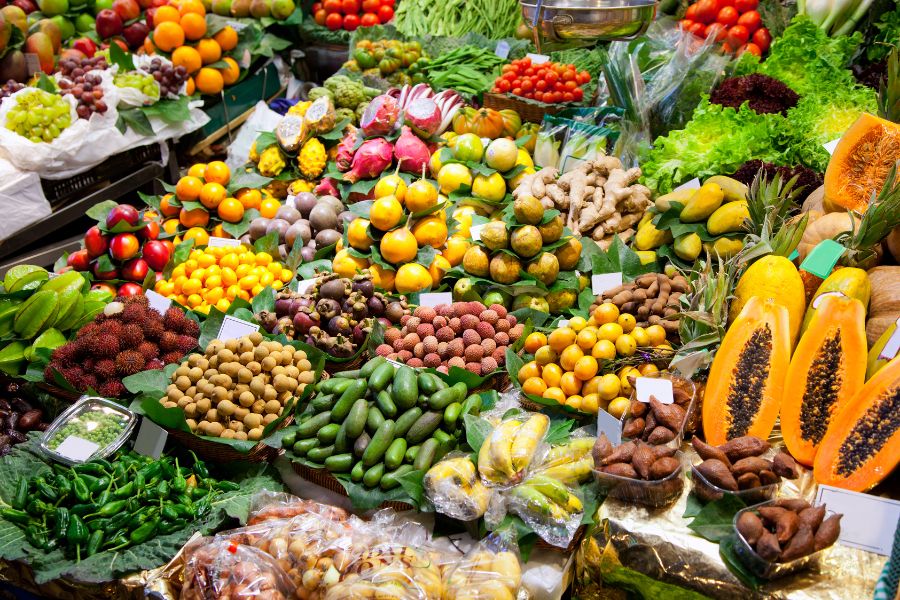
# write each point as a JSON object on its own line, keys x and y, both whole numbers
{"x": 327, "y": 187}
{"x": 345, "y": 149}
{"x": 372, "y": 158}
{"x": 411, "y": 152}
{"x": 424, "y": 116}
{"x": 380, "y": 116}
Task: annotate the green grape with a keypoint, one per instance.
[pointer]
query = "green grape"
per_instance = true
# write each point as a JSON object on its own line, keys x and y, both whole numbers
{"x": 39, "y": 116}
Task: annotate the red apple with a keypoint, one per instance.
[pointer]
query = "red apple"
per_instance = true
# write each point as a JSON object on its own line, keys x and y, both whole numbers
{"x": 124, "y": 246}
{"x": 135, "y": 34}
{"x": 127, "y": 9}
{"x": 148, "y": 16}
{"x": 80, "y": 260}
{"x": 108, "y": 24}
{"x": 105, "y": 275}
{"x": 170, "y": 245}
{"x": 86, "y": 45}
{"x": 157, "y": 254}
{"x": 130, "y": 289}
{"x": 26, "y": 5}
{"x": 135, "y": 269}
{"x": 105, "y": 287}
{"x": 122, "y": 212}
{"x": 95, "y": 243}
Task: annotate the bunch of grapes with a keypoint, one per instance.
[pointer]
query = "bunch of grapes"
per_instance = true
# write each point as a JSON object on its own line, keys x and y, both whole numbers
{"x": 169, "y": 77}
{"x": 140, "y": 81}
{"x": 39, "y": 116}
{"x": 9, "y": 88}
{"x": 86, "y": 89}
{"x": 72, "y": 68}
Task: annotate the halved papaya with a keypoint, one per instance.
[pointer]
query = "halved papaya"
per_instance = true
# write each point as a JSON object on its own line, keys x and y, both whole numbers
{"x": 776, "y": 278}
{"x": 862, "y": 444}
{"x": 747, "y": 377}
{"x": 861, "y": 161}
{"x": 828, "y": 368}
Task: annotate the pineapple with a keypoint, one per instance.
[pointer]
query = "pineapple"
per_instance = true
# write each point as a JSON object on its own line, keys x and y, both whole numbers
{"x": 889, "y": 92}
{"x": 863, "y": 241}
{"x": 312, "y": 159}
{"x": 771, "y": 228}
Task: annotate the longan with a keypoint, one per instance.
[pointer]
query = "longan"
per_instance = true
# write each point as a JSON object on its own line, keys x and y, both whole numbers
{"x": 191, "y": 391}
{"x": 236, "y": 426}
{"x": 268, "y": 363}
{"x": 212, "y": 415}
{"x": 270, "y": 393}
{"x": 227, "y": 434}
{"x": 271, "y": 417}
{"x": 253, "y": 420}
{"x": 292, "y": 371}
{"x": 241, "y": 435}
{"x": 299, "y": 355}
{"x": 195, "y": 374}
{"x": 213, "y": 362}
{"x": 215, "y": 429}
{"x": 246, "y": 344}
{"x": 192, "y": 424}
{"x": 241, "y": 388}
{"x": 184, "y": 401}
{"x": 203, "y": 405}
{"x": 246, "y": 399}
{"x": 232, "y": 345}
{"x": 255, "y": 433}
{"x": 254, "y": 367}
{"x": 220, "y": 394}
{"x": 183, "y": 383}
{"x": 226, "y": 355}
{"x": 258, "y": 407}
{"x": 257, "y": 386}
{"x": 190, "y": 410}
{"x": 226, "y": 408}
{"x": 303, "y": 364}
{"x": 306, "y": 377}
{"x": 273, "y": 406}
{"x": 284, "y": 397}
{"x": 203, "y": 363}
{"x": 181, "y": 371}
{"x": 240, "y": 412}
{"x": 244, "y": 375}
{"x": 169, "y": 404}
{"x": 255, "y": 338}
{"x": 214, "y": 346}
{"x": 279, "y": 370}
{"x": 260, "y": 352}
{"x": 193, "y": 359}
{"x": 173, "y": 393}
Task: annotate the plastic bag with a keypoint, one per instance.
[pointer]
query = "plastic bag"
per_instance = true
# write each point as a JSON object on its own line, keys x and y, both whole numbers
{"x": 455, "y": 489}
{"x": 572, "y": 462}
{"x": 569, "y": 139}
{"x": 489, "y": 571}
{"x": 550, "y": 507}
{"x": 508, "y": 450}
{"x": 267, "y": 505}
{"x": 220, "y": 568}
{"x": 392, "y": 571}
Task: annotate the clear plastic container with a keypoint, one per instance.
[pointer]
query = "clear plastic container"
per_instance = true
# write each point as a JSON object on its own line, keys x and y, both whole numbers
{"x": 655, "y": 494}
{"x": 62, "y": 443}
{"x": 760, "y": 567}
{"x": 690, "y": 409}
{"x": 709, "y": 492}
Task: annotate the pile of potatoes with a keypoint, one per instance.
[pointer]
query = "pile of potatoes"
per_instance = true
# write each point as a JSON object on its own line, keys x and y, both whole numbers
{"x": 236, "y": 388}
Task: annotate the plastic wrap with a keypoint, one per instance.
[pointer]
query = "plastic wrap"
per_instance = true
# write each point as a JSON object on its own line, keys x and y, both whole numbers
{"x": 392, "y": 571}
{"x": 570, "y": 139}
{"x": 454, "y": 488}
{"x": 489, "y": 571}
{"x": 508, "y": 450}
{"x": 570, "y": 463}
{"x": 551, "y": 508}
{"x": 220, "y": 568}
{"x": 267, "y": 505}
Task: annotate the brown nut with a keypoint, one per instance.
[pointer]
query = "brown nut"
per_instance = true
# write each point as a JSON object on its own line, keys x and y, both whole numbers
{"x": 794, "y": 504}
{"x": 812, "y": 517}
{"x": 706, "y": 451}
{"x": 767, "y": 546}
{"x": 621, "y": 469}
{"x": 748, "y": 481}
{"x": 784, "y": 465}
{"x": 669, "y": 415}
{"x": 801, "y": 544}
{"x": 641, "y": 459}
{"x": 663, "y": 467}
{"x": 786, "y": 521}
{"x": 751, "y": 464}
{"x": 743, "y": 446}
{"x": 620, "y": 454}
{"x": 633, "y": 428}
{"x": 767, "y": 477}
{"x": 828, "y": 532}
{"x": 660, "y": 435}
{"x": 750, "y": 526}
{"x": 715, "y": 472}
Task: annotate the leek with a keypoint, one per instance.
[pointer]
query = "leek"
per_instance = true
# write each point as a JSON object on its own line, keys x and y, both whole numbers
{"x": 835, "y": 17}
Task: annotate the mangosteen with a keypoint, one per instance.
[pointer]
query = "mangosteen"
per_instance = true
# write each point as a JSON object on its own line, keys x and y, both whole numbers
{"x": 335, "y": 289}
{"x": 303, "y": 322}
{"x": 327, "y": 308}
{"x": 268, "y": 320}
{"x": 258, "y": 227}
{"x": 376, "y": 306}
{"x": 300, "y": 229}
{"x": 283, "y": 306}
{"x": 279, "y": 225}
{"x": 394, "y": 311}
{"x": 339, "y": 324}
{"x": 285, "y": 326}
{"x": 345, "y": 218}
{"x": 308, "y": 253}
{"x": 332, "y": 202}
{"x": 304, "y": 202}
{"x": 322, "y": 217}
{"x": 359, "y": 335}
{"x": 384, "y": 322}
{"x": 365, "y": 286}
{"x": 245, "y": 240}
{"x": 283, "y": 251}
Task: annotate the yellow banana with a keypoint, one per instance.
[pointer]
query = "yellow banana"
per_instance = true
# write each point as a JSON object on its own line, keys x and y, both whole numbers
{"x": 553, "y": 489}
{"x": 573, "y": 472}
{"x": 574, "y": 505}
{"x": 507, "y": 566}
{"x": 570, "y": 452}
{"x": 499, "y": 448}
{"x": 526, "y": 440}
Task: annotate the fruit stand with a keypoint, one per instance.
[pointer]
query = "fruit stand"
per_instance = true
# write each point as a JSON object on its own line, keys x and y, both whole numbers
{"x": 482, "y": 299}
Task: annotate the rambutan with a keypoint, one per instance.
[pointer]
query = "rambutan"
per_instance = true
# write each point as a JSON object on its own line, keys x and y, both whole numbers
{"x": 64, "y": 354}
{"x": 470, "y": 337}
{"x": 190, "y": 327}
{"x": 174, "y": 319}
{"x": 499, "y": 309}
{"x": 426, "y": 313}
{"x": 155, "y": 364}
{"x": 105, "y": 369}
{"x": 132, "y": 335}
{"x": 415, "y": 363}
{"x": 457, "y": 361}
{"x": 488, "y": 364}
{"x": 431, "y": 344}
{"x": 474, "y": 353}
{"x": 490, "y": 316}
{"x": 111, "y": 389}
{"x": 129, "y": 362}
{"x": 383, "y": 350}
{"x": 89, "y": 381}
{"x": 148, "y": 350}
{"x": 485, "y": 330}
{"x": 186, "y": 343}
{"x": 168, "y": 341}
{"x": 88, "y": 365}
{"x": 104, "y": 345}
{"x": 432, "y": 360}
{"x": 73, "y": 376}
{"x": 153, "y": 328}
{"x": 90, "y": 329}
{"x": 134, "y": 313}
{"x": 171, "y": 357}
{"x": 113, "y": 328}
{"x": 469, "y": 321}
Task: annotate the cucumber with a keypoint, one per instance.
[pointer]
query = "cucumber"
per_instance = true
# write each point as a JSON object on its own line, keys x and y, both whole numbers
{"x": 442, "y": 398}
{"x": 391, "y": 480}
{"x": 411, "y": 453}
{"x": 381, "y": 377}
{"x": 354, "y": 392}
{"x": 356, "y": 420}
{"x": 393, "y": 458}
{"x": 309, "y": 428}
{"x": 322, "y": 403}
{"x": 472, "y": 405}
{"x": 328, "y": 434}
{"x": 339, "y": 463}
{"x": 303, "y": 446}
{"x": 451, "y": 415}
{"x": 379, "y": 444}
{"x": 405, "y": 388}
{"x": 386, "y": 404}
{"x": 342, "y": 442}
{"x": 367, "y": 369}
{"x": 442, "y": 436}
{"x": 335, "y": 385}
{"x": 320, "y": 454}
{"x": 426, "y": 455}
{"x": 359, "y": 446}
{"x": 356, "y": 474}
{"x": 372, "y": 477}
{"x": 424, "y": 427}
{"x": 374, "y": 420}
{"x": 406, "y": 420}
{"x": 289, "y": 439}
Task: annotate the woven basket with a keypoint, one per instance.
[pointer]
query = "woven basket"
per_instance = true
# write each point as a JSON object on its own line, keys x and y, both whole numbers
{"x": 573, "y": 545}
{"x": 529, "y": 111}
{"x": 324, "y": 479}
{"x": 333, "y": 368}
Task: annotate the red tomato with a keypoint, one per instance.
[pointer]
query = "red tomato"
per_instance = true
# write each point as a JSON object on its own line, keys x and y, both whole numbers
{"x": 529, "y": 95}
{"x": 559, "y": 86}
{"x": 707, "y": 11}
{"x": 368, "y": 20}
{"x": 686, "y": 24}
{"x": 727, "y": 16}
{"x": 350, "y": 7}
{"x": 332, "y": 6}
{"x": 737, "y": 36}
{"x": 724, "y": 3}
{"x": 539, "y": 96}
{"x": 385, "y": 14}
{"x": 716, "y": 30}
{"x": 351, "y": 22}
{"x": 527, "y": 85}
{"x": 390, "y": 3}
{"x": 584, "y": 77}
{"x": 743, "y": 6}
{"x": 568, "y": 97}
{"x": 569, "y": 75}
{"x": 691, "y": 13}
{"x": 517, "y": 91}
{"x": 697, "y": 28}
{"x": 370, "y": 5}
{"x": 540, "y": 85}
{"x": 316, "y": 7}
{"x": 334, "y": 21}
{"x": 504, "y": 85}
{"x": 727, "y": 49}
{"x": 751, "y": 48}
{"x": 570, "y": 86}
{"x": 551, "y": 76}
{"x": 762, "y": 38}
{"x": 579, "y": 94}
{"x": 320, "y": 16}
{"x": 751, "y": 20}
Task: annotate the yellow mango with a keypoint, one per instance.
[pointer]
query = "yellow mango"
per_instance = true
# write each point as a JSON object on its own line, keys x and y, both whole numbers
{"x": 733, "y": 189}
{"x": 648, "y": 237}
{"x": 724, "y": 247}
{"x": 647, "y": 256}
{"x": 702, "y": 204}
{"x": 664, "y": 202}
{"x": 728, "y": 218}
{"x": 688, "y": 247}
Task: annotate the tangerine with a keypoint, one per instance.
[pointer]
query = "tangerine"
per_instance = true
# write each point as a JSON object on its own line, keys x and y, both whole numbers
{"x": 166, "y": 14}
{"x": 648, "y": 369}
{"x": 249, "y": 197}
{"x": 210, "y": 52}
{"x": 197, "y": 169}
{"x": 590, "y": 403}
{"x": 640, "y": 336}
{"x": 217, "y": 172}
{"x": 191, "y": 6}
{"x": 358, "y": 235}
{"x": 656, "y": 334}
{"x": 577, "y": 323}
{"x": 399, "y": 246}
{"x": 610, "y": 331}
{"x": 166, "y": 208}
{"x": 197, "y": 217}
{"x": 545, "y": 355}
{"x": 194, "y": 25}
{"x": 591, "y": 385}
{"x": 609, "y": 387}
{"x": 383, "y": 278}
{"x": 585, "y": 368}
{"x": 574, "y": 401}
{"x": 212, "y": 194}
{"x": 219, "y": 232}
{"x": 168, "y": 35}
{"x": 231, "y": 74}
{"x": 554, "y": 393}
{"x": 231, "y": 210}
{"x": 170, "y": 226}
{"x": 188, "y": 188}
{"x": 190, "y": 86}
{"x": 227, "y": 38}
{"x": 586, "y": 339}
{"x": 534, "y": 386}
{"x": 198, "y": 234}
{"x": 209, "y": 81}
{"x": 604, "y": 349}
{"x": 625, "y": 345}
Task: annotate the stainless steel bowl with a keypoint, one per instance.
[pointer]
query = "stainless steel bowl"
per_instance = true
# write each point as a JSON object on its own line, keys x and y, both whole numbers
{"x": 578, "y": 22}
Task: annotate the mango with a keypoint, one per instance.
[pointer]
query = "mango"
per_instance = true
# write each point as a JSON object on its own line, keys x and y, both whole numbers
{"x": 647, "y": 256}
{"x": 724, "y": 247}
{"x": 734, "y": 190}
{"x": 688, "y": 247}
{"x": 702, "y": 204}
{"x": 12, "y": 66}
{"x": 728, "y": 218}
{"x": 648, "y": 237}
{"x": 664, "y": 202}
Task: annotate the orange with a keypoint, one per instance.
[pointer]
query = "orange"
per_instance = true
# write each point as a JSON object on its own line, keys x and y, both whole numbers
{"x": 586, "y": 339}
{"x": 455, "y": 250}
{"x": 167, "y": 36}
{"x": 438, "y": 267}
{"x": 609, "y": 387}
{"x": 231, "y": 74}
{"x": 217, "y": 172}
{"x": 219, "y": 231}
{"x": 551, "y": 373}
{"x": 529, "y": 369}
{"x": 430, "y": 231}
{"x": 554, "y": 393}
{"x": 625, "y": 345}
{"x": 604, "y": 349}
{"x": 191, "y": 6}
{"x": 187, "y": 57}
{"x": 398, "y": 246}
{"x": 585, "y": 368}
{"x": 591, "y": 385}
{"x": 648, "y": 369}
{"x": 570, "y": 384}
{"x": 197, "y": 169}
{"x": 269, "y": 206}
{"x": 627, "y": 322}
{"x": 569, "y": 357}
{"x": 170, "y": 226}
{"x": 198, "y": 234}
{"x": 535, "y": 340}
{"x": 209, "y": 81}
{"x": 167, "y": 209}
{"x": 357, "y": 234}
{"x": 250, "y": 198}
{"x": 606, "y": 313}
{"x": 148, "y": 46}
{"x": 577, "y": 323}
{"x": 231, "y": 210}
{"x": 590, "y": 403}
{"x": 534, "y": 386}
{"x": 190, "y": 86}
{"x": 209, "y": 50}
{"x": 610, "y": 331}
{"x": 193, "y": 218}
{"x": 640, "y": 336}
{"x": 227, "y": 38}
{"x": 194, "y": 26}
{"x": 188, "y": 188}
{"x": 561, "y": 338}
{"x": 385, "y": 212}
{"x": 211, "y": 194}
{"x": 166, "y": 14}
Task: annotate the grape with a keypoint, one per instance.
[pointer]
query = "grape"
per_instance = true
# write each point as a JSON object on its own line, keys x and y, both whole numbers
{"x": 9, "y": 88}
{"x": 39, "y": 116}
{"x": 79, "y": 80}
{"x": 140, "y": 81}
{"x": 170, "y": 78}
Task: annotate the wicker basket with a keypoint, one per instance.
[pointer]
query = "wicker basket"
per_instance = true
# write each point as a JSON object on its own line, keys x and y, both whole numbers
{"x": 529, "y": 111}
{"x": 324, "y": 479}
{"x": 220, "y": 453}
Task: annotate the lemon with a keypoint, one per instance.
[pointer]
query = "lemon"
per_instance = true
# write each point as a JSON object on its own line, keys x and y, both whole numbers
{"x": 492, "y": 187}
{"x": 453, "y": 176}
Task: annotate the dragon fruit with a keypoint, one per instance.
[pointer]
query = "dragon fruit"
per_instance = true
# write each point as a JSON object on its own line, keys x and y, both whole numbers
{"x": 372, "y": 158}
{"x": 345, "y": 149}
{"x": 424, "y": 116}
{"x": 411, "y": 152}
{"x": 327, "y": 187}
{"x": 380, "y": 117}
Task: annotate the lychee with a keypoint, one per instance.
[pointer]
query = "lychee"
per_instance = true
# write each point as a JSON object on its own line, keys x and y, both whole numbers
{"x": 516, "y": 332}
{"x": 419, "y": 350}
{"x": 443, "y": 369}
{"x": 490, "y": 316}
{"x": 443, "y": 349}
{"x": 476, "y": 308}
{"x": 410, "y": 341}
{"x": 501, "y": 338}
{"x": 456, "y": 361}
{"x": 474, "y": 367}
{"x": 431, "y": 344}
{"x": 470, "y": 337}
{"x": 413, "y": 323}
{"x": 404, "y": 355}
{"x": 499, "y": 309}
{"x": 469, "y": 321}
{"x": 502, "y": 325}
{"x": 488, "y": 364}
{"x": 456, "y": 347}
{"x": 499, "y": 355}
{"x": 440, "y": 321}
{"x": 485, "y": 330}
{"x": 426, "y": 313}
{"x": 415, "y": 363}
{"x": 398, "y": 344}
{"x": 424, "y": 330}
{"x": 432, "y": 360}
{"x": 445, "y": 334}
{"x": 455, "y": 324}
{"x": 404, "y": 319}
{"x": 474, "y": 353}
{"x": 512, "y": 319}
{"x": 460, "y": 308}
{"x": 383, "y": 350}
{"x": 489, "y": 346}
{"x": 445, "y": 310}
{"x": 392, "y": 334}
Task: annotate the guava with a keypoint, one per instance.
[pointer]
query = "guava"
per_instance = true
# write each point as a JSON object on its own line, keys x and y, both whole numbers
{"x": 526, "y": 241}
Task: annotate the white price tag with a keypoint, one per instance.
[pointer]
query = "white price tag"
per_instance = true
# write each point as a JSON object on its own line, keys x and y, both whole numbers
{"x": 151, "y": 439}
{"x": 892, "y": 347}
{"x": 435, "y": 298}
{"x": 830, "y": 146}
{"x": 77, "y": 449}
{"x": 538, "y": 59}
{"x": 158, "y": 302}
{"x": 868, "y": 522}
{"x": 396, "y": 364}
{"x": 303, "y": 286}
{"x": 818, "y": 300}
{"x": 562, "y": 323}
{"x": 658, "y": 387}
{"x": 217, "y": 242}
{"x": 693, "y": 184}
{"x": 502, "y": 49}
{"x": 475, "y": 232}
{"x": 611, "y": 426}
{"x": 233, "y": 328}
{"x": 600, "y": 282}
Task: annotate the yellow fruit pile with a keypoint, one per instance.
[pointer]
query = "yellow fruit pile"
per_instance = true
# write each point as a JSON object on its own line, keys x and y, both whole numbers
{"x": 567, "y": 365}
{"x": 216, "y": 276}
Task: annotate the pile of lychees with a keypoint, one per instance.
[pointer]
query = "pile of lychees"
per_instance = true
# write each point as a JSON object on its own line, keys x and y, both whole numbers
{"x": 126, "y": 338}
{"x": 467, "y": 335}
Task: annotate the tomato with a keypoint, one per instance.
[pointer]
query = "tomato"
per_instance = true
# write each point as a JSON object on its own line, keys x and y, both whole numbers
{"x": 737, "y": 36}
{"x": 570, "y": 86}
{"x": 569, "y": 76}
{"x": 368, "y": 20}
{"x": 724, "y": 3}
{"x": 579, "y": 94}
{"x": 503, "y": 85}
{"x": 350, "y": 7}
{"x": 539, "y": 96}
{"x": 727, "y": 16}
{"x": 751, "y": 20}
{"x": 568, "y": 97}
{"x": 334, "y": 21}
{"x": 332, "y": 6}
{"x": 697, "y": 28}
{"x": 691, "y": 13}
{"x": 529, "y": 95}
{"x": 707, "y": 11}
{"x": 540, "y": 85}
{"x": 584, "y": 77}
{"x": 529, "y": 71}
{"x": 716, "y": 31}
{"x": 316, "y": 7}
{"x": 743, "y": 6}
{"x": 351, "y": 22}
{"x": 527, "y": 85}
{"x": 320, "y": 17}
{"x": 551, "y": 76}
{"x": 727, "y": 49}
{"x": 762, "y": 38}
{"x": 370, "y": 5}
{"x": 686, "y": 24}
{"x": 517, "y": 91}
{"x": 391, "y": 3}
{"x": 385, "y": 14}
{"x": 751, "y": 48}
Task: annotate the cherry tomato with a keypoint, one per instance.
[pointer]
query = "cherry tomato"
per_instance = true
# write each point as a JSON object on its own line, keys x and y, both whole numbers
{"x": 551, "y": 77}
{"x": 584, "y": 77}
{"x": 579, "y": 94}
{"x": 541, "y": 85}
{"x": 332, "y": 6}
{"x": 368, "y": 20}
{"x": 527, "y": 85}
{"x": 529, "y": 95}
{"x": 743, "y": 6}
{"x": 762, "y": 38}
{"x": 724, "y": 3}
{"x": 707, "y": 11}
{"x": 568, "y": 97}
{"x": 737, "y": 36}
{"x": 316, "y": 7}
{"x": 503, "y": 85}
{"x": 385, "y": 14}
{"x": 556, "y": 97}
{"x": 350, "y": 7}
{"x": 391, "y": 3}
{"x": 751, "y": 48}
{"x": 697, "y": 28}
{"x": 715, "y": 30}
{"x": 727, "y": 16}
{"x": 320, "y": 16}
{"x": 751, "y": 20}
{"x": 334, "y": 21}
{"x": 517, "y": 91}
{"x": 539, "y": 96}
{"x": 570, "y": 86}
{"x": 569, "y": 75}
{"x": 370, "y": 5}
{"x": 727, "y": 49}
{"x": 351, "y": 22}
{"x": 529, "y": 71}
{"x": 691, "y": 13}
{"x": 686, "y": 24}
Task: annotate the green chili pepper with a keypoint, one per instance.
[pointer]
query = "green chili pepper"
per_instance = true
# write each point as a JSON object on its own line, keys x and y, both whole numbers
{"x": 15, "y": 515}
{"x": 94, "y": 543}
{"x": 83, "y": 509}
{"x": 172, "y": 527}
{"x": 37, "y": 537}
{"x": 90, "y": 468}
{"x": 144, "y": 532}
{"x": 199, "y": 466}
{"x": 227, "y": 486}
{"x": 37, "y": 508}
{"x": 63, "y": 486}
{"x": 21, "y": 497}
{"x": 89, "y": 480}
{"x": 82, "y": 494}
{"x": 95, "y": 524}
{"x": 104, "y": 497}
{"x": 114, "y": 542}
{"x": 62, "y": 522}
{"x": 169, "y": 513}
{"x": 143, "y": 516}
{"x": 162, "y": 490}
{"x": 139, "y": 480}
{"x": 44, "y": 489}
{"x": 179, "y": 483}
{"x": 101, "y": 484}
{"x": 117, "y": 522}
{"x": 112, "y": 508}
{"x": 76, "y": 532}
{"x": 197, "y": 492}
{"x": 119, "y": 471}
{"x": 125, "y": 491}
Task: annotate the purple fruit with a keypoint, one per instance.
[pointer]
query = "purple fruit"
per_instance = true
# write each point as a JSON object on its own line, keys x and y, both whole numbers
{"x": 283, "y": 306}
{"x": 339, "y": 325}
{"x": 303, "y": 322}
{"x": 365, "y": 286}
{"x": 307, "y": 253}
{"x": 376, "y": 306}
{"x": 328, "y": 308}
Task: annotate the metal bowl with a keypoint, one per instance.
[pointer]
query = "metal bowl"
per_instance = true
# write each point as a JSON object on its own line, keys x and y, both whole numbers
{"x": 577, "y": 22}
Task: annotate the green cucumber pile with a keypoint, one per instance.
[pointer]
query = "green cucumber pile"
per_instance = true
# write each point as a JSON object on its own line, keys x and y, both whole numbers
{"x": 381, "y": 422}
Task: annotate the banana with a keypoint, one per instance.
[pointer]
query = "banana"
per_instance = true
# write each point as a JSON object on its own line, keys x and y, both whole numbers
{"x": 526, "y": 440}
{"x": 534, "y": 501}
{"x": 497, "y": 458}
{"x": 553, "y": 489}
{"x": 506, "y": 565}
{"x": 574, "y": 505}
{"x": 569, "y": 452}
{"x": 573, "y": 472}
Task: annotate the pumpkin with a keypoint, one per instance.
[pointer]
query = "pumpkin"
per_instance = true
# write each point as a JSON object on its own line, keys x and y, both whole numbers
{"x": 828, "y": 368}
{"x": 512, "y": 122}
{"x": 850, "y": 281}
{"x": 892, "y": 243}
{"x": 747, "y": 376}
{"x": 884, "y": 307}
{"x": 529, "y": 130}
{"x": 772, "y": 277}
{"x": 862, "y": 444}
{"x": 824, "y": 227}
{"x": 483, "y": 122}
{"x": 860, "y": 162}
{"x": 815, "y": 201}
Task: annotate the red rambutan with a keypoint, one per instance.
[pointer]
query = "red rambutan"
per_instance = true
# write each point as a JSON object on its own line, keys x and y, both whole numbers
{"x": 186, "y": 343}
{"x": 113, "y": 328}
{"x": 89, "y": 381}
{"x": 104, "y": 346}
{"x": 132, "y": 336}
{"x": 155, "y": 364}
{"x": 105, "y": 369}
{"x": 153, "y": 328}
{"x": 134, "y": 313}
{"x": 171, "y": 357}
{"x": 173, "y": 319}
{"x": 64, "y": 354}
{"x": 111, "y": 389}
{"x": 148, "y": 350}
{"x": 168, "y": 341}
{"x": 129, "y": 362}
{"x": 191, "y": 328}
{"x": 90, "y": 329}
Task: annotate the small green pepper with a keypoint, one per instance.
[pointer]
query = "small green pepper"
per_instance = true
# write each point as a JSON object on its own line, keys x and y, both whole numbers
{"x": 44, "y": 489}
{"x": 125, "y": 491}
{"x": 90, "y": 468}
{"x": 94, "y": 542}
{"x": 37, "y": 537}
{"x": 169, "y": 512}
{"x": 61, "y": 518}
{"x": 197, "y": 492}
{"x": 76, "y": 532}
{"x": 227, "y": 486}
{"x": 112, "y": 508}
{"x": 83, "y": 509}
{"x": 21, "y": 497}
{"x": 38, "y": 508}
{"x": 162, "y": 490}
{"x": 139, "y": 481}
{"x": 179, "y": 483}
{"x": 95, "y": 524}
{"x": 199, "y": 466}
{"x": 82, "y": 493}
{"x": 172, "y": 526}
{"x": 63, "y": 486}
{"x": 101, "y": 484}
{"x": 144, "y": 532}
{"x": 14, "y": 515}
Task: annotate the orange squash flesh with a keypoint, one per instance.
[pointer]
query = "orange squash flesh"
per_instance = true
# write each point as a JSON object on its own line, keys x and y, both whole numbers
{"x": 862, "y": 444}
{"x": 828, "y": 368}
{"x": 747, "y": 377}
